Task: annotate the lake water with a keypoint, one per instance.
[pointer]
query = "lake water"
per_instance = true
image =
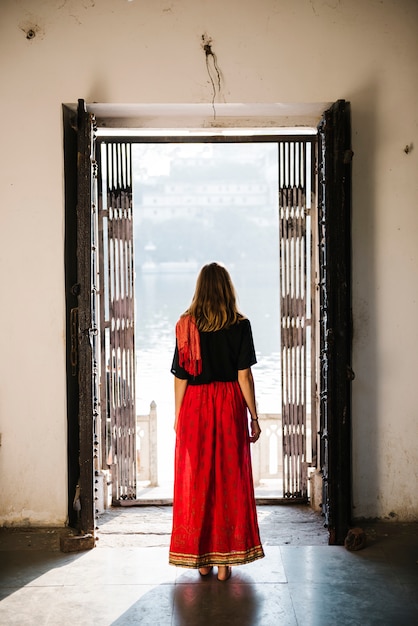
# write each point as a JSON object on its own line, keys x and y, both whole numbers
{"x": 196, "y": 203}
{"x": 161, "y": 298}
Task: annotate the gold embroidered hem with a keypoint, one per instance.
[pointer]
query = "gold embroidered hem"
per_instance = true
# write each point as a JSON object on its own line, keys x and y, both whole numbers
{"x": 216, "y": 558}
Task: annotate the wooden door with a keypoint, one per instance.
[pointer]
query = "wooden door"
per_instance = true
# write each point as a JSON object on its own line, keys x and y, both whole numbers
{"x": 85, "y": 318}
{"x": 334, "y": 225}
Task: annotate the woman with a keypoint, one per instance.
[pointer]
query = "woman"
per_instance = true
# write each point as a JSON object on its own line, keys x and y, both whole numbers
{"x": 214, "y": 512}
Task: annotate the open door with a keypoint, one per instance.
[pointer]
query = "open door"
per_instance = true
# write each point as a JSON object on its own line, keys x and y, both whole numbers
{"x": 334, "y": 227}
{"x": 297, "y": 314}
{"x": 99, "y": 261}
{"x": 117, "y": 318}
{"x": 82, "y": 323}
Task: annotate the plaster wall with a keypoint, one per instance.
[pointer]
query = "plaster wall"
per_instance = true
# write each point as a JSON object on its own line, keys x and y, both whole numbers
{"x": 149, "y": 51}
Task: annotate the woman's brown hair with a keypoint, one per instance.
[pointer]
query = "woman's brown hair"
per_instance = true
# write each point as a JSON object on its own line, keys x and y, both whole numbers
{"x": 214, "y": 304}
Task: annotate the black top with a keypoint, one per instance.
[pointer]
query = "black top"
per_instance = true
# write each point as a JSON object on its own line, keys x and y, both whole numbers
{"x": 223, "y": 352}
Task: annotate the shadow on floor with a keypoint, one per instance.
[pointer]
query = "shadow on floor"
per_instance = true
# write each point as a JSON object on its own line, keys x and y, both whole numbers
{"x": 299, "y": 583}
{"x": 204, "y": 602}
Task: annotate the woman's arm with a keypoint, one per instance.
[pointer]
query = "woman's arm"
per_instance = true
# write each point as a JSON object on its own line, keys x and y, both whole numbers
{"x": 246, "y": 382}
{"x": 180, "y": 385}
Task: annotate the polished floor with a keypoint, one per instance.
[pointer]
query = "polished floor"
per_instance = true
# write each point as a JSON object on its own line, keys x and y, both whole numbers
{"x": 126, "y": 579}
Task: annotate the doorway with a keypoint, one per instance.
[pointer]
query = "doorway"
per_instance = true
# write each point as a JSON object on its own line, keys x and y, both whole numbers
{"x": 249, "y": 204}
{"x": 194, "y": 203}
{"x": 327, "y": 145}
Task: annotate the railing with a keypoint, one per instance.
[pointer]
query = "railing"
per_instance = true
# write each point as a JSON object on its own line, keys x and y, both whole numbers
{"x": 266, "y": 455}
{"x": 146, "y": 447}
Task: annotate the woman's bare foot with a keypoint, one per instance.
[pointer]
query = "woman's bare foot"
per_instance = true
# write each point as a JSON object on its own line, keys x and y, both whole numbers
{"x": 224, "y": 572}
{"x": 204, "y": 571}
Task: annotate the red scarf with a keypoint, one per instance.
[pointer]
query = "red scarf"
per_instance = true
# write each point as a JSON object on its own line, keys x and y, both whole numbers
{"x": 188, "y": 344}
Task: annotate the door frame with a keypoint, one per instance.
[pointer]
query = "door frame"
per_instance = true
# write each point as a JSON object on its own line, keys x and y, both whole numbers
{"x": 336, "y": 473}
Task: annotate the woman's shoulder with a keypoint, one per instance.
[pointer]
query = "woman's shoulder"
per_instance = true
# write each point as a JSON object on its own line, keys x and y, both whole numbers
{"x": 241, "y": 325}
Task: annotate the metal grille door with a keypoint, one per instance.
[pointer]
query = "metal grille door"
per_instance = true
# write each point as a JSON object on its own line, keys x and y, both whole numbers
{"x": 297, "y": 353}
{"x": 117, "y": 319}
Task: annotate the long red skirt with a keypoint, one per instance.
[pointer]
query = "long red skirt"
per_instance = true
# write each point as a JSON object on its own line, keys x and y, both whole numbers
{"x": 214, "y": 512}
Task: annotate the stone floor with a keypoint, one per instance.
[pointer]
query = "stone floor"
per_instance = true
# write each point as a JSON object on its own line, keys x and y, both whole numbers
{"x": 150, "y": 526}
{"x": 126, "y": 580}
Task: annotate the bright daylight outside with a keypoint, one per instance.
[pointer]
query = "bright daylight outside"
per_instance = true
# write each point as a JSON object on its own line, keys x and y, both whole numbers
{"x": 195, "y": 203}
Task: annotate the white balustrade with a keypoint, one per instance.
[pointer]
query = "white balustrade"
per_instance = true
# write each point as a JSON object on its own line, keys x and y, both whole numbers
{"x": 146, "y": 447}
{"x": 266, "y": 454}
